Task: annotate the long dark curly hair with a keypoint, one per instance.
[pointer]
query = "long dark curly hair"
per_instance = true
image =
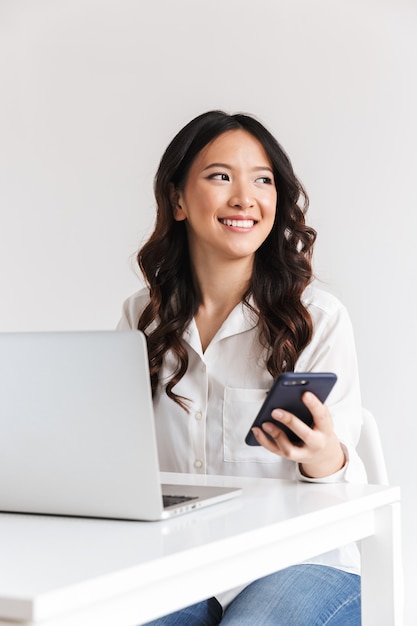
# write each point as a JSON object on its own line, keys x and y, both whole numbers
{"x": 282, "y": 266}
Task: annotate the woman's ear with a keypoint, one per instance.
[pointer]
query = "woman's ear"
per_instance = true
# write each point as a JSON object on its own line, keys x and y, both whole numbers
{"x": 175, "y": 199}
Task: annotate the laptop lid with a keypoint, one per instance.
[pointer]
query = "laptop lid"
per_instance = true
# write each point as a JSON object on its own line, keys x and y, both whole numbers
{"x": 77, "y": 430}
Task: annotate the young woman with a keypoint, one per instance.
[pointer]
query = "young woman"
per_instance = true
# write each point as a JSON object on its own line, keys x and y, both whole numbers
{"x": 229, "y": 305}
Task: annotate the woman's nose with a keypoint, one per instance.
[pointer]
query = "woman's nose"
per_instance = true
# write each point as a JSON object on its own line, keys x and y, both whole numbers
{"x": 241, "y": 197}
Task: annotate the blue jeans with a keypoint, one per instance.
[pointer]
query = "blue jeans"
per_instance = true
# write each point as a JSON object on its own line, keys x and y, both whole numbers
{"x": 301, "y": 595}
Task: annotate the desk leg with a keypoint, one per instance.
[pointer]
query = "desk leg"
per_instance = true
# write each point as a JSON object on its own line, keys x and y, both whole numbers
{"x": 382, "y": 574}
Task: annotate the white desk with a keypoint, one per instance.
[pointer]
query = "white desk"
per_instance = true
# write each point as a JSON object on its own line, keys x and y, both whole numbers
{"x": 84, "y": 572}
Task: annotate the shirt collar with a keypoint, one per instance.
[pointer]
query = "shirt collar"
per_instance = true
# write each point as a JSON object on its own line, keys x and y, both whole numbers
{"x": 241, "y": 319}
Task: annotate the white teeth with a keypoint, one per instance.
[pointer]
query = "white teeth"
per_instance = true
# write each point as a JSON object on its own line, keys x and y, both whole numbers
{"x": 238, "y": 223}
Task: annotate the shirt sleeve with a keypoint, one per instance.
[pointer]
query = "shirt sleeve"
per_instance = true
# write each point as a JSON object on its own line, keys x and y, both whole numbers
{"x": 333, "y": 350}
{"x": 132, "y": 309}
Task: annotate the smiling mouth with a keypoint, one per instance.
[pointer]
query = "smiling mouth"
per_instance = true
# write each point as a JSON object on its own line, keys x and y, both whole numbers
{"x": 237, "y": 223}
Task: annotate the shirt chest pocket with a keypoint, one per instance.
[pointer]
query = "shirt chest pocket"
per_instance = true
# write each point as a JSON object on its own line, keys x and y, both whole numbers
{"x": 240, "y": 408}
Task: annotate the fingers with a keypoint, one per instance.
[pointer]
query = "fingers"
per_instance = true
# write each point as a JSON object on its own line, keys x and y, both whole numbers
{"x": 321, "y": 455}
{"x": 321, "y": 415}
{"x": 293, "y": 423}
{"x": 263, "y": 440}
{"x": 272, "y": 437}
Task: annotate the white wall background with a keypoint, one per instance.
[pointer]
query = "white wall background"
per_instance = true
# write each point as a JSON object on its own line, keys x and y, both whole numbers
{"x": 91, "y": 91}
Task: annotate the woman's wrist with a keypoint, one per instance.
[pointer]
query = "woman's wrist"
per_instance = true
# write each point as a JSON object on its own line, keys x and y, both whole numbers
{"x": 326, "y": 466}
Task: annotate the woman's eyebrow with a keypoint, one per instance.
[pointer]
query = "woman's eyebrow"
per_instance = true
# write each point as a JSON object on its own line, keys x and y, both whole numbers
{"x": 257, "y": 168}
{"x": 224, "y": 165}
{"x": 262, "y": 168}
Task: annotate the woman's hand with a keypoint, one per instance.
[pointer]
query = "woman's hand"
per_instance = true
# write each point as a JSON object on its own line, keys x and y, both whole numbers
{"x": 321, "y": 455}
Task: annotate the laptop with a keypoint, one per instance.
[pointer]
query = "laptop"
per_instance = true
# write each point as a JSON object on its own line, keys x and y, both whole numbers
{"x": 77, "y": 430}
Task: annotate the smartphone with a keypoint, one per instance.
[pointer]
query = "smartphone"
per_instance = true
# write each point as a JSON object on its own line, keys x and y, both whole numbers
{"x": 286, "y": 393}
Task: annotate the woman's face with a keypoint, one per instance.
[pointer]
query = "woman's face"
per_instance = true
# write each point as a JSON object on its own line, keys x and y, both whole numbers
{"x": 229, "y": 199}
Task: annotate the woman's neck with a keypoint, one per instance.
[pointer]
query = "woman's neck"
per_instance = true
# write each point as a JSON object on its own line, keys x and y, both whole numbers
{"x": 222, "y": 286}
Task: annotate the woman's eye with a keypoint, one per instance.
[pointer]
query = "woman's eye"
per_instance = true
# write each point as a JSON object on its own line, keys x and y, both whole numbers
{"x": 219, "y": 176}
{"x": 266, "y": 180}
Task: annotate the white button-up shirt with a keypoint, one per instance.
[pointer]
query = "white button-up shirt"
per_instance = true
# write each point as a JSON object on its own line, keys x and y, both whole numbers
{"x": 226, "y": 385}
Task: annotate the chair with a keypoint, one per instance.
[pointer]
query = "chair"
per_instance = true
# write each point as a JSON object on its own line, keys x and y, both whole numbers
{"x": 370, "y": 450}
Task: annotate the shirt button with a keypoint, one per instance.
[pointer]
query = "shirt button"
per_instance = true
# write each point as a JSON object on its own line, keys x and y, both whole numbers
{"x": 204, "y": 368}
{"x": 198, "y": 464}
{"x": 198, "y": 415}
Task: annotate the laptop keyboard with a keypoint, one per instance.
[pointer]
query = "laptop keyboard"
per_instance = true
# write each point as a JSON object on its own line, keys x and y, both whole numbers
{"x": 173, "y": 500}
